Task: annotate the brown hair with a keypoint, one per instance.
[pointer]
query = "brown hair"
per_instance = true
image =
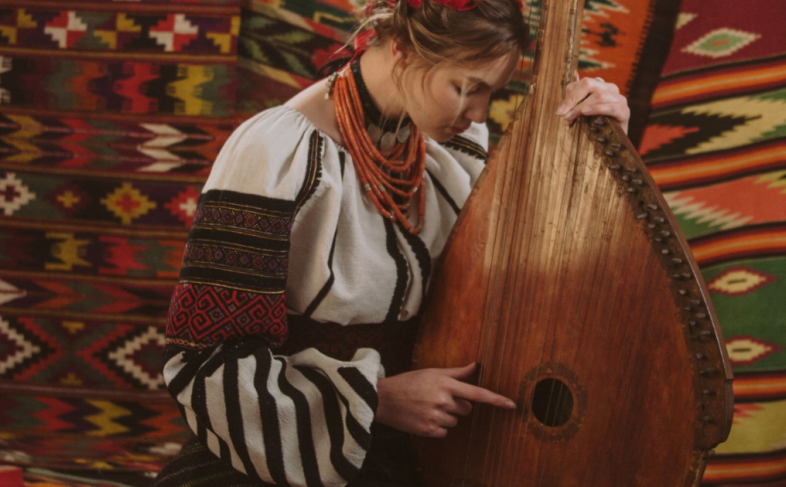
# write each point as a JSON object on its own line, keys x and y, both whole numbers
{"x": 438, "y": 33}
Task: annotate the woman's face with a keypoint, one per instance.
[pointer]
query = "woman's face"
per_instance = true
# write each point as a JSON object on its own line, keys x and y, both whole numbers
{"x": 443, "y": 101}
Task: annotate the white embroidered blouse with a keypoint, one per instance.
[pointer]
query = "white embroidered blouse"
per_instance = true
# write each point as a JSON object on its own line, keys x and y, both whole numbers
{"x": 283, "y": 227}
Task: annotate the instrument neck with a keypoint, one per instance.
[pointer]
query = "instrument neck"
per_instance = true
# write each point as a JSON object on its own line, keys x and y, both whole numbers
{"x": 557, "y": 52}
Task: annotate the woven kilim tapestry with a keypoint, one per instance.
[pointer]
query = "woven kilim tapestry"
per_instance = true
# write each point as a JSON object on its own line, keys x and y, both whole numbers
{"x": 111, "y": 115}
{"x": 716, "y": 145}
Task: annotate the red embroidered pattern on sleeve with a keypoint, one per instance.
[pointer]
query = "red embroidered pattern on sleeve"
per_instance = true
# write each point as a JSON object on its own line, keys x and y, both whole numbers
{"x": 201, "y": 316}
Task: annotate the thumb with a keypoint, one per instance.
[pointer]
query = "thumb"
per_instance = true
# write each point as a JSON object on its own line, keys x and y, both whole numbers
{"x": 460, "y": 372}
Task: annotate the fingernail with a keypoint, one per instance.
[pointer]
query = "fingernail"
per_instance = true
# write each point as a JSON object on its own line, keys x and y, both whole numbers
{"x": 562, "y": 109}
{"x": 510, "y": 405}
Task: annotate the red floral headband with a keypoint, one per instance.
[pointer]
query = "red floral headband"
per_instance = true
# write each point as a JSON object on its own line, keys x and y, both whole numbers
{"x": 455, "y": 4}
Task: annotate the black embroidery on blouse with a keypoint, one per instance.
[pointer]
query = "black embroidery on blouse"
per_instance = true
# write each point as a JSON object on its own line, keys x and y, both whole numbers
{"x": 328, "y": 284}
{"x": 402, "y": 274}
{"x": 421, "y": 253}
{"x": 342, "y": 160}
{"x": 463, "y": 144}
{"x": 313, "y": 171}
{"x": 441, "y": 189}
{"x": 239, "y": 241}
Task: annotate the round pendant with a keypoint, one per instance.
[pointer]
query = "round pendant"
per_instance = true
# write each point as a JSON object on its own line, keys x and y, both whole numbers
{"x": 374, "y": 133}
{"x": 388, "y": 141}
{"x": 403, "y": 134}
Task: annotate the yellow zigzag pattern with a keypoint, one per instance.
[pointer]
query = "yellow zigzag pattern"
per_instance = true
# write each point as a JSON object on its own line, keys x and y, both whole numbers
{"x": 105, "y": 419}
{"x": 763, "y": 116}
{"x": 187, "y": 90}
{"x": 775, "y": 179}
{"x": 702, "y": 213}
{"x": 30, "y": 129}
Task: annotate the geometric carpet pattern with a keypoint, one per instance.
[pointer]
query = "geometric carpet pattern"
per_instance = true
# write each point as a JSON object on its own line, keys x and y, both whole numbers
{"x": 111, "y": 115}
{"x": 715, "y": 142}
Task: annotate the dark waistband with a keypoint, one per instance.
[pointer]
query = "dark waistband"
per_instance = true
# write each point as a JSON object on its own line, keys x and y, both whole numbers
{"x": 393, "y": 340}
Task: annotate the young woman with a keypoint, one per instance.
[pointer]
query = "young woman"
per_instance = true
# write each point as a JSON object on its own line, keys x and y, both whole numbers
{"x": 290, "y": 332}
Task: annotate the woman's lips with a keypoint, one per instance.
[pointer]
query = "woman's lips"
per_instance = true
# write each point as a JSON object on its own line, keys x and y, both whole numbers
{"x": 458, "y": 130}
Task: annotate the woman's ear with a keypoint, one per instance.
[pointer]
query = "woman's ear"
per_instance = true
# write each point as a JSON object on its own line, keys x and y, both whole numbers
{"x": 398, "y": 52}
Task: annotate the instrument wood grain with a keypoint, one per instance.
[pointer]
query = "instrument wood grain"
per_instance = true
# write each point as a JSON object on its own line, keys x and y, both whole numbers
{"x": 567, "y": 264}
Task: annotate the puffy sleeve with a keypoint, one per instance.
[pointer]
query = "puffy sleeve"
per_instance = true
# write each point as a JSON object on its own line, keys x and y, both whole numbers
{"x": 302, "y": 420}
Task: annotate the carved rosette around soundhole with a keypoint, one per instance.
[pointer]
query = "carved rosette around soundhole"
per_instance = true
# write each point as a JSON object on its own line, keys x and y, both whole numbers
{"x": 695, "y": 315}
{"x": 573, "y": 391}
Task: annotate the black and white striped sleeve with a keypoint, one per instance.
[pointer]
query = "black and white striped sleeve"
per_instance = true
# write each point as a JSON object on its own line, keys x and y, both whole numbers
{"x": 302, "y": 420}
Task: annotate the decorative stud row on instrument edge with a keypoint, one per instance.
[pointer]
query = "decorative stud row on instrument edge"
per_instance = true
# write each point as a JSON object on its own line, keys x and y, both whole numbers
{"x": 686, "y": 290}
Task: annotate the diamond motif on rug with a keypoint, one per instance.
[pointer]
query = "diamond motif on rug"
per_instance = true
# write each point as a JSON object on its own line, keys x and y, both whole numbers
{"x": 13, "y": 194}
{"x": 720, "y": 43}
{"x": 127, "y": 203}
{"x": 69, "y": 198}
{"x": 739, "y": 281}
{"x": 174, "y": 32}
{"x": 744, "y": 350}
{"x": 66, "y": 29}
{"x": 138, "y": 358}
{"x": 184, "y": 205}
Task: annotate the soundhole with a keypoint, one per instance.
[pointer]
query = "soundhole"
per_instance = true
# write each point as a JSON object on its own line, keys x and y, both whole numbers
{"x": 552, "y": 402}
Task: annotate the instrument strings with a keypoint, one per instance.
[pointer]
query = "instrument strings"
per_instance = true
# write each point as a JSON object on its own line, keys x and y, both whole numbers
{"x": 513, "y": 229}
{"x": 512, "y": 147}
{"x": 574, "y": 157}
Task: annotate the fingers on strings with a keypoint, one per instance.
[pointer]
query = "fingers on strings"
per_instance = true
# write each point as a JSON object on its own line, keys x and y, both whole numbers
{"x": 479, "y": 394}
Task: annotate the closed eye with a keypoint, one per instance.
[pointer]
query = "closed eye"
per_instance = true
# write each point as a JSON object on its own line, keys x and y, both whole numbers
{"x": 468, "y": 92}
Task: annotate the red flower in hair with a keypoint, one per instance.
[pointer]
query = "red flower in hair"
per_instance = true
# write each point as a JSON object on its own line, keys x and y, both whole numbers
{"x": 455, "y": 4}
{"x": 459, "y": 4}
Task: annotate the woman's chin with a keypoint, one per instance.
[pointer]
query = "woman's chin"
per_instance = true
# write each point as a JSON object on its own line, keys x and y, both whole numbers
{"x": 440, "y": 135}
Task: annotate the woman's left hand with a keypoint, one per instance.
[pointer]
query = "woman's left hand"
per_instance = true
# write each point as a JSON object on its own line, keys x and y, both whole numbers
{"x": 593, "y": 96}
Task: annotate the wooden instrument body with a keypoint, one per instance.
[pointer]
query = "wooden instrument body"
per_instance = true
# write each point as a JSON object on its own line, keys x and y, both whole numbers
{"x": 566, "y": 263}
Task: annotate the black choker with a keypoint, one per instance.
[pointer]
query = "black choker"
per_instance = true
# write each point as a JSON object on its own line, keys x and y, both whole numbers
{"x": 382, "y": 132}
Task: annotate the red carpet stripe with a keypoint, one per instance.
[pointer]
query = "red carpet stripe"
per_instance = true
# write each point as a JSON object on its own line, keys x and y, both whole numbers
{"x": 718, "y": 167}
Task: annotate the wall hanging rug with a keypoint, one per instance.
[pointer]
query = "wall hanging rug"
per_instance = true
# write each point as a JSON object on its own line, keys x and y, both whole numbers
{"x": 111, "y": 115}
{"x": 716, "y": 145}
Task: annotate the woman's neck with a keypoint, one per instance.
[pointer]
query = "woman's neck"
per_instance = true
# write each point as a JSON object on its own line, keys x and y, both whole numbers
{"x": 376, "y": 66}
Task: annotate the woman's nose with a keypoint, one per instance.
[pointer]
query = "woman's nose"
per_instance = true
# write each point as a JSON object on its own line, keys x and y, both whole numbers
{"x": 478, "y": 112}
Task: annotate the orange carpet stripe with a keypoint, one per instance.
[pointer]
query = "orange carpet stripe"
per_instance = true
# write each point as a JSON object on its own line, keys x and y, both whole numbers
{"x": 739, "y": 471}
{"x": 708, "y": 85}
{"x": 750, "y": 387}
{"x": 712, "y": 250}
{"x": 717, "y": 166}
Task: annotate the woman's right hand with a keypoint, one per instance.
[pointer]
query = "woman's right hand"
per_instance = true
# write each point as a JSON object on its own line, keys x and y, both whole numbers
{"x": 427, "y": 402}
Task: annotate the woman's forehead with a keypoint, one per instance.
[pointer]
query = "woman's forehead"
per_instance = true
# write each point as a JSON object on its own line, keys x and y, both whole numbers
{"x": 494, "y": 73}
